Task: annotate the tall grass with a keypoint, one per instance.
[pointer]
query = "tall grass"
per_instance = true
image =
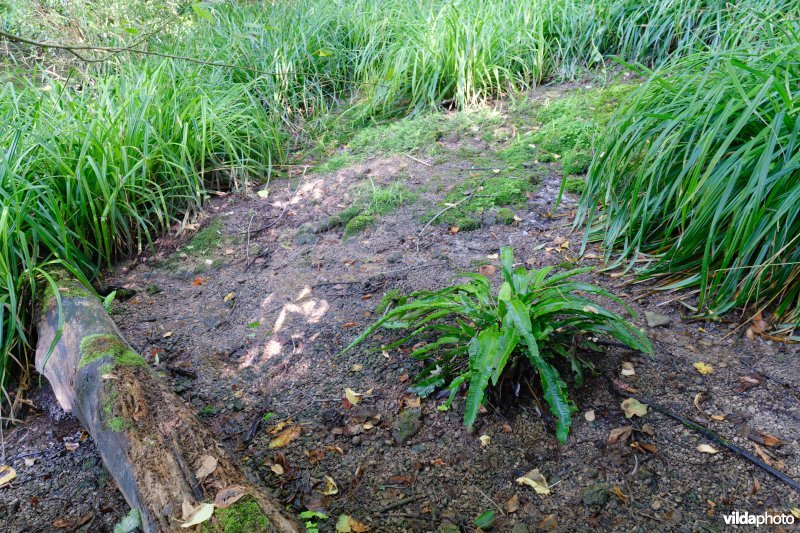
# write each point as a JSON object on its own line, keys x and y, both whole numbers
{"x": 90, "y": 174}
{"x": 700, "y": 173}
{"x": 87, "y": 175}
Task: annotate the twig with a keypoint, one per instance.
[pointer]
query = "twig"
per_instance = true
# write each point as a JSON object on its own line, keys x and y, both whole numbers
{"x": 249, "y": 224}
{"x": 467, "y": 199}
{"x": 418, "y": 160}
{"x": 378, "y": 275}
{"x": 710, "y": 435}
{"x": 490, "y": 500}
{"x": 395, "y": 505}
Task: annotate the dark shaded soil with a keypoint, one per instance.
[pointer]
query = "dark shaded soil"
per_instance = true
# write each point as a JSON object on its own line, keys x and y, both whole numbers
{"x": 241, "y": 333}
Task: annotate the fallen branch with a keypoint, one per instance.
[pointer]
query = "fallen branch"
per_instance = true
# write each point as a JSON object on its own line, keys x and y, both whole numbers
{"x": 710, "y": 435}
{"x": 162, "y": 457}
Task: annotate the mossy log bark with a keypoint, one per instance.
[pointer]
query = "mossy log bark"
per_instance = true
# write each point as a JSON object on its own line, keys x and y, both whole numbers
{"x": 150, "y": 440}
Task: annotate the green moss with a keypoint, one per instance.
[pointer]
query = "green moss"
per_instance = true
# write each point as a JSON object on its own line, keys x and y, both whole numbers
{"x": 335, "y": 163}
{"x": 358, "y": 224}
{"x": 576, "y": 161}
{"x": 118, "y": 424}
{"x": 505, "y": 216}
{"x": 206, "y": 239}
{"x": 244, "y": 515}
{"x": 574, "y": 184}
{"x": 464, "y": 223}
{"x": 496, "y": 192}
{"x": 566, "y": 128}
{"x": 207, "y": 411}
{"x": 100, "y": 346}
{"x": 109, "y": 400}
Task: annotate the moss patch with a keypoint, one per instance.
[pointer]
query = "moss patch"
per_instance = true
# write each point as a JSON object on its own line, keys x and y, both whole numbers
{"x": 565, "y": 128}
{"x": 505, "y": 216}
{"x": 497, "y": 192}
{"x": 574, "y": 184}
{"x": 358, "y": 224}
{"x": 117, "y": 424}
{"x": 244, "y": 515}
{"x": 100, "y": 346}
{"x": 205, "y": 240}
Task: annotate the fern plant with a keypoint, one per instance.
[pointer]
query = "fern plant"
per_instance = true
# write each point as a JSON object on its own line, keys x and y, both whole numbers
{"x": 476, "y": 334}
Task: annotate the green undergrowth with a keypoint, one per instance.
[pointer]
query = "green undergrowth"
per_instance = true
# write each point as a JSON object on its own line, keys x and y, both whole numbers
{"x": 563, "y": 128}
{"x": 371, "y": 202}
{"x": 418, "y": 134}
{"x": 101, "y": 346}
{"x": 484, "y": 199}
{"x": 244, "y": 515}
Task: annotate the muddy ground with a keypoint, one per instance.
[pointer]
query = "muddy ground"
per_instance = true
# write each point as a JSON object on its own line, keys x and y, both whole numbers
{"x": 245, "y": 334}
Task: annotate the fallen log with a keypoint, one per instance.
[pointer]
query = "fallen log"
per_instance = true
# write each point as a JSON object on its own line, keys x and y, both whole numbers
{"x": 165, "y": 461}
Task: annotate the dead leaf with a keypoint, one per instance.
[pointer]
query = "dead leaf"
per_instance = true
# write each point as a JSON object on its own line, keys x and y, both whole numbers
{"x": 548, "y": 522}
{"x": 330, "y": 487}
{"x": 704, "y": 368}
{"x": 756, "y": 485}
{"x": 277, "y": 469}
{"x": 230, "y": 296}
{"x": 438, "y": 462}
{"x": 718, "y": 418}
{"x": 411, "y": 402}
{"x": 403, "y": 377}
{"x": 589, "y": 415}
{"x": 285, "y": 437}
{"x": 485, "y": 440}
{"x": 627, "y": 369}
{"x": 535, "y": 480}
{"x": 647, "y": 429}
{"x": 764, "y": 456}
{"x": 73, "y": 522}
{"x": 619, "y": 435}
{"x": 454, "y": 229}
{"x": 506, "y": 428}
{"x": 201, "y": 513}
{"x": 349, "y": 324}
{"x": 357, "y": 368}
{"x": 167, "y": 335}
{"x": 205, "y": 467}
{"x": 487, "y": 270}
{"x": 71, "y": 446}
{"x": 643, "y": 446}
{"x": 746, "y": 382}
{"x": 7, "y": 474}
{"x": 228, "y": 496}
{"x": 401, "y": 480}
{"x": 620, "y": 495}
{"x": 512, "y": 505}
{"x": 30, "y": 461}
{"x": 795, "y": 512}
{"x": 707, "y": 448}
{"x": 352, "y": 396}
{"x": 198, "y": 281}
{"x": 633, "y": 407}
{"x": 764, "y": 438}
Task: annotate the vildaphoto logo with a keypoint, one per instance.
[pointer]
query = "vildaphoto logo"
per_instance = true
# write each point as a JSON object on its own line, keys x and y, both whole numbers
{"x": 738, "y": 518}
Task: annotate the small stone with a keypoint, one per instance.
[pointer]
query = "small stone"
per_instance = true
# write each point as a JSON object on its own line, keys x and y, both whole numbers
{"x": 655, "y": 320}
{"x": 407, "y": 424}
{"x": 519, "y": 527}
{"x": 595, "y": 495}
{"x": 698, "y": 380}
{"x": 395, "y": 257}
{"x": 303, "y": 238}
{"x": 419, "y": 448}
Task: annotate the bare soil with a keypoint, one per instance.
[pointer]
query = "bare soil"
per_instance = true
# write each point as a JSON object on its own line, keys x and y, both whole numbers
{"x": 240, "y": 333}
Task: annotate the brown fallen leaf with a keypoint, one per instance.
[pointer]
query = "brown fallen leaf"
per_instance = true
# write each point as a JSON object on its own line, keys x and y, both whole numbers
{"x": 512, "y": 505}
{"x": 548, "y": 522}
{"x": 411, "y": 402}
{"x": 620, "y": 495}
{"x": 7, "y": 474}
{"x": 401, "y": 480}
{"x": 285, "y": 437}
{"x": 198, "y": 281}
{"x": 349, "y": 324}
{"x": 487, "y": 270}
{"x": 280, "y": 426}
{"x": 645, "y": 447}
{"x": 205, "y": 466}
{"x": 438, "y": 462}
{"x": 746, "y": 383}
{"x": 619, "y": 435}
{"x": 756, "y": 485}
{"x": 627, "y": 369}
{"x": 454, "y": 229}
{"x": 228, "y": 496}
{"x": 73, "y": 522}
{"x": 764, "y": 439}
